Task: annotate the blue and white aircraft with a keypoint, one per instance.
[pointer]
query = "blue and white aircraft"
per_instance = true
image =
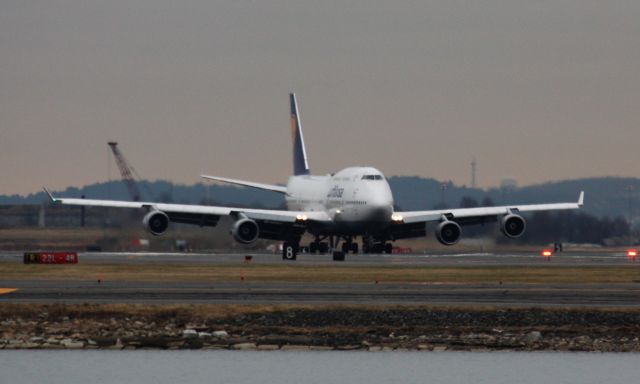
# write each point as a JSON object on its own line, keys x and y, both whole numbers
{"x": 335, "y": 209}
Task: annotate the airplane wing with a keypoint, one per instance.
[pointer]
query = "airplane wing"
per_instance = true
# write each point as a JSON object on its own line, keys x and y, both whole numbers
{"x": 273, "y": 223}
{"x": 472, "y": 214}
{"x": 268, "y": 187}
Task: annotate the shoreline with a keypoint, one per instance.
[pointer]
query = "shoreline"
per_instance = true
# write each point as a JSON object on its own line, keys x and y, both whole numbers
{"x": 320, "y": 327}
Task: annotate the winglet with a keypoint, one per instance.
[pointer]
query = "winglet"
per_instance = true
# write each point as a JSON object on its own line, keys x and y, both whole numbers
{"x": 53, "y": 199}
{"x": 581, "y": 199}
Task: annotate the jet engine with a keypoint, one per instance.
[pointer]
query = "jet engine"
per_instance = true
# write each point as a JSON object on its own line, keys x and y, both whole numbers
{"x": 156, "y": 222}
{"x": 448, "y": 232}
{"x": 513, "y": 226}
{"x": 245, "y": 231}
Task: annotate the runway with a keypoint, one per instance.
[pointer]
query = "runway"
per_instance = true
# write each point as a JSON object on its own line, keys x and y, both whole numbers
{"x": 321, "y": 293}
{"x": 416, "y": 259}
{"x": 371, "y": 293}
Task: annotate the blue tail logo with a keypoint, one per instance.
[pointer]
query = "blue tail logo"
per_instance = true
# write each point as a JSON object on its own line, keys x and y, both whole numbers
{"x": 300, "y": 164}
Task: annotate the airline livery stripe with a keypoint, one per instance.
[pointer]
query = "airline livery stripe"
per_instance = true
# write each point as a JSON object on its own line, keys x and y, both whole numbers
{"x": 4, "y": 291}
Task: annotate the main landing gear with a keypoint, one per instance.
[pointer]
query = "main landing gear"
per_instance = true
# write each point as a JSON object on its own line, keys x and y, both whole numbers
{"x": 338, "y": 246}
{"x": 369, "y": 245}
{"x": 318, "y": 247}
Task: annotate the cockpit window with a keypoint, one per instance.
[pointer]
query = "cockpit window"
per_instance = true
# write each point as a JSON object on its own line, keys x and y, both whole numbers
{"x": 372, "y": 177}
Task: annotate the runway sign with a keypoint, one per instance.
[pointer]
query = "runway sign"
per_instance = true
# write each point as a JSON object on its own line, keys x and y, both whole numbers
{"x": 50, "y": 258}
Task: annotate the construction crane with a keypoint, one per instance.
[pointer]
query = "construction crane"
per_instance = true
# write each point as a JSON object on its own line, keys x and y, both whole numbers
{"x": 127, "y": 171}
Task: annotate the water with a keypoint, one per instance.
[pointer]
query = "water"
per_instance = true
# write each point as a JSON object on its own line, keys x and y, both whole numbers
{"x": 316, "y": 367}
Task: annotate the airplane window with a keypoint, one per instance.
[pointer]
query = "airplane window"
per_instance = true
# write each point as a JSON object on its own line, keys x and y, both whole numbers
{"x": 372, "y": 177}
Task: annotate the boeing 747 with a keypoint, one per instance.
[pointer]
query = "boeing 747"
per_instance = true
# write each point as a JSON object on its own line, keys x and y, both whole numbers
{"x": 336, "y": 209}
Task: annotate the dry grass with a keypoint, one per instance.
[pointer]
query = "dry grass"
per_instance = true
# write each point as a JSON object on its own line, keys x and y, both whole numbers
{"x": 305, "y": 273}
{"x": 200, "y": 312}
{"x": 158, "y": 312}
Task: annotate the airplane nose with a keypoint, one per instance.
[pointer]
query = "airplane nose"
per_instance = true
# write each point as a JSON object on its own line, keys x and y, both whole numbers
{"x": 382, "y": 213}
{"x": 380, "y": 203}
{"x": 381, "y": 209}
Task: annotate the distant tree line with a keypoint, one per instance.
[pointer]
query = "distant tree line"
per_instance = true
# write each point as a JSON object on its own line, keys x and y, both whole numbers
{"x": 573, "y": 227}
{"x": 556, "y": 226}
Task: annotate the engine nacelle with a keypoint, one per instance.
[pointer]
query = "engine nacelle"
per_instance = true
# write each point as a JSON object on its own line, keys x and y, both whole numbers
{"x": 513, "y": 226}
{"x": 156, "y": 222}
{"x": 245, "y": 231}
{"x": 448, "y": 232}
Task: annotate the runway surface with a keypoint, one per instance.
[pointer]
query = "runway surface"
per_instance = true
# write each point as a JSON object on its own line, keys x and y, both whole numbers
{"x": 248, "y": 292}
{"x": 449, "y": 259}
{"x": 326, "y": 293}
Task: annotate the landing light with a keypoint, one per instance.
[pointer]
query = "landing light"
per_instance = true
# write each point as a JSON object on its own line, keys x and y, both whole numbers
{"x": 338, "y": 211}
{"x": 301, "y": 217}
{"x": 396, "y": 217}
{"x": 632, "y": 253}
{"x": 547, "y": 253}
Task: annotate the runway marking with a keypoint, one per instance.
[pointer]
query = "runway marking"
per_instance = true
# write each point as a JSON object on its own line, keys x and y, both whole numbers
{"x": 4, "y": 291}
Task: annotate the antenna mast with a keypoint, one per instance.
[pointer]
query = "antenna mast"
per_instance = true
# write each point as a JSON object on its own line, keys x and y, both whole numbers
{"x": 473, "y": 173}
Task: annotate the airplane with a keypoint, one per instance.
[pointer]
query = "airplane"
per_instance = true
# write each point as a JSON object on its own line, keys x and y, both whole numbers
{"x": 335, "y": 209}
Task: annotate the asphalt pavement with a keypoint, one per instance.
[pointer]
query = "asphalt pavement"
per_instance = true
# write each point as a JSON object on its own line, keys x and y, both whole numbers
{"x": 247, "y": 292}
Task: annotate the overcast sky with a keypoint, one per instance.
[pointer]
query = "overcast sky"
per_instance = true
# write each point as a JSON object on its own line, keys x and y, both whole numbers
{"x": 535, "y": 90}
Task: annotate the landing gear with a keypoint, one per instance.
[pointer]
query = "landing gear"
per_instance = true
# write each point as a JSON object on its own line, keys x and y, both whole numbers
{"x": 369, "y": 245}
{"x": 318, "y": 247}
{"x": 337, "y": 245}
{"x": 333, "y": 243}
{"x": 349, "y": 246}
{"x": 290, "y": 250}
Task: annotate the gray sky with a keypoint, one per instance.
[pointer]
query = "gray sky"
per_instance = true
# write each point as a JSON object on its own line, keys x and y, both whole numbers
{"x": 535, "y": 90}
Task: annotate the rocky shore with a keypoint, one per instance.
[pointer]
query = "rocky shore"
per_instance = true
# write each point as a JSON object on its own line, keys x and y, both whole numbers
{"x": 316, "y": 328}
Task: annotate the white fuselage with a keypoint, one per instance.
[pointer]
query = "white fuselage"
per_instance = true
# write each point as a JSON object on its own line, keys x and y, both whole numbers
{"x": 352, "y": 196}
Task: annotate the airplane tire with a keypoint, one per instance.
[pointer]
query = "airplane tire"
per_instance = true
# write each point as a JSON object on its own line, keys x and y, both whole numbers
{"x": 338, "y": 256}
{"x": 313, "y": 247}
{"x": 354, "y": 248}
{"x": 388, "y": 248}
{"x": 323, "y": 247}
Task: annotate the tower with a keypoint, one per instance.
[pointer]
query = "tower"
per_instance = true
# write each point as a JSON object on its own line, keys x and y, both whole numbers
{"x": 473, "y": 173}
{"x": 126, "y": 170}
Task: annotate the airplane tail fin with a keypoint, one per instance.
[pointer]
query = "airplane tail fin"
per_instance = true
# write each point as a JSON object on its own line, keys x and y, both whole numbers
{"x": 300, "y": 164}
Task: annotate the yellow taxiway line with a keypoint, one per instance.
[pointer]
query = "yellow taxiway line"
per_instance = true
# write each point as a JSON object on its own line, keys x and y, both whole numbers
{"x": 4, "y": 291}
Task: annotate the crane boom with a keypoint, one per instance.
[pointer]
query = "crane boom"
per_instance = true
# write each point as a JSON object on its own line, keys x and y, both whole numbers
{"x": 126, "y": 170}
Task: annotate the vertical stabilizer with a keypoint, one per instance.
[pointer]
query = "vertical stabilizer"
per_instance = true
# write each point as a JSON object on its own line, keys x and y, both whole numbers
{"x": 300, "y": 164}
